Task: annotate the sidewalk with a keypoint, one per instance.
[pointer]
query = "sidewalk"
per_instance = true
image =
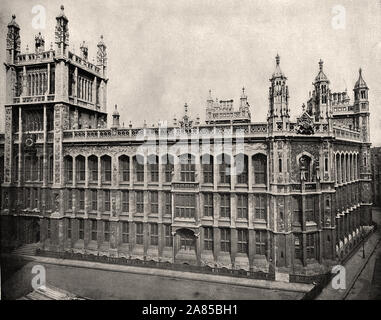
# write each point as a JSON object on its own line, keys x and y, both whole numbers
{"x": 353, "y": 268}
{"x": 254, "y": 283}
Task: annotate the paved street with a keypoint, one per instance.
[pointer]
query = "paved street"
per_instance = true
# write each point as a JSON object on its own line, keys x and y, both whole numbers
{"x": 368, "y": 284}
{"x": 99, "y": 284}
{"x": 363, "y": 279}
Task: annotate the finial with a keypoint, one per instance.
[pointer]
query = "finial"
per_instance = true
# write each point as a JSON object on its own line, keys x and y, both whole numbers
{"x": 277, "y": 59}
{"x": 51, "y": 45}
{"x": 321, "y": 64}
{"x": 360, "y": 71}
{"x": 243, "y": 90}
{"x": 116, "y": 106}
{"x": 27, "y": 48}
{"x": 13, "y": 16}
{"x": 186, "y": 108}
{"x": 62, "y": 7}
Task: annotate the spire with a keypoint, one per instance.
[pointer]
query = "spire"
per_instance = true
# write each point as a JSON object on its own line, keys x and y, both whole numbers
{"x": 13, "y": 22}
{"x": 61, "y": 15}
{"x": 360, "y": 83}
{"x": 278, "y": 72}
{"x": 321, "y": 75}
{"x": 85, "y": 50}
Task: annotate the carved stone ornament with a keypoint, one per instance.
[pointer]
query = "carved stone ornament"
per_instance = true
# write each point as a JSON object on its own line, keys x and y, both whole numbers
{"x": 305, "y": 124}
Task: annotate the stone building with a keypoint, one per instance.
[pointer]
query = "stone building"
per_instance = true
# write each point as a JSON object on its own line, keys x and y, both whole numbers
{"x": 278, "y": 195}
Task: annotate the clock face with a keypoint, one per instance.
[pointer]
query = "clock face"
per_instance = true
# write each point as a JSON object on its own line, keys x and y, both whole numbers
{"x": 29, "y": 142}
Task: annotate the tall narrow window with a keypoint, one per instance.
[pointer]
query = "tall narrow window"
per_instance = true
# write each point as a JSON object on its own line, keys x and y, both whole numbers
{"x": 224, "y": 168}
{"x": 124, "y": 168}
{"x": 298, "y": 246}
{"x": 94, "y": 200}
{"x": 81, "y": 199}
{"x": 280, "y": 165}
{"x": 139, "y": 233}
{"x": 69, "y": 169}
{"x": 154, "y": 202}
{"x": 80, "y": 168}
{"x": 168, "y": 203}
{"x": 106, "y": 199}
{"x": 168, "y": 235}
{"x": 260, "y": 242}
{"x": 69, "y": 228}
{"x": 106, "y": 168}
{"x": 225, "y": 205}
{"x": 94, "y": 230}
{"x": 93, "y": 167}
{"x": 242, "y": 206}
{"x": 139, "y": 168}
{"x": 168, "y": 168}
{"x": 260, "y": 202}
{"x": 139, "y": 201}
{"x": 241, "y": 168}
{"x": 27, "y": 168}
{"x": 48, "y": 229}
{"x": 242, "y": 244}
{"x": 125, "y": 200}
{"x": 225, "y": 239}
{"x": 208, "y": 238}
{"x": 81, "y": 229}
{"x": 188, "y": 168}
{"x": 260, "y": 168}
{"x": 309, "y": 210}
{"x": 153, "y": 162}
{"x": 310, "y": 246}
{"x": 208, "y": 204}
{"x": 51, "y": 169}
{"x": 297, "y": 209}
{"x": 106, "y": 231}
{"x": 125, "y": 232}
{"x": 69, "y": 199}
{"x": 154, "y": 234}
{"x": 207, "y": 168}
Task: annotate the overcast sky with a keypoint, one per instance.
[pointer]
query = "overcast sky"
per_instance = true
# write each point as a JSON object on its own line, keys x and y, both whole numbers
{"x": 164, "y": 53}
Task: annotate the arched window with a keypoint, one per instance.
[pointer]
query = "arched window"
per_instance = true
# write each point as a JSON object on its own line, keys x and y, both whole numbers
{"x": 168, "y": 164}
{"x": 153, "y": 163}
{"x": 139, "y": 167}
{"x": 224, "y": 168}
{"x": 207, "y": 168}
{"x": 188, "y": 168}
{"x": 241, "y": 163}
{"x": 260, "y": 169}
{"x": 106, "y": 168}
{"x": 338, "y": 179}
{"x": 27, "y": 168}
{"x": 68, "y": 165}
{"x": 93, "y": 168}
{"x": 124, "y": 168}
{"x": 80, "y": 168}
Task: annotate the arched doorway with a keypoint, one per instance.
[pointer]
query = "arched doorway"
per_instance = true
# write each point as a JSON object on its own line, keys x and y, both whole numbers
{"x": 185, "y": 246}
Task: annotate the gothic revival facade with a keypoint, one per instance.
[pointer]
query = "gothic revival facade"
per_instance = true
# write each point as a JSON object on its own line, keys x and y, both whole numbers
{"x": 278, "y": 195}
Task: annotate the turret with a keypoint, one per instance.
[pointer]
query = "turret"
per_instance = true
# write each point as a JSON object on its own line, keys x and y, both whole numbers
{"x": 102, "y": 56}
{"x": 115, "y": 118}
{"x": 39, "y": 43}
{"x": 278, "y": 98}
{"x": 321, "y": 98}
{"x": 62, "y": 33}
{"x": 13, "y": 41}
{"x": 361, "y": 106}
